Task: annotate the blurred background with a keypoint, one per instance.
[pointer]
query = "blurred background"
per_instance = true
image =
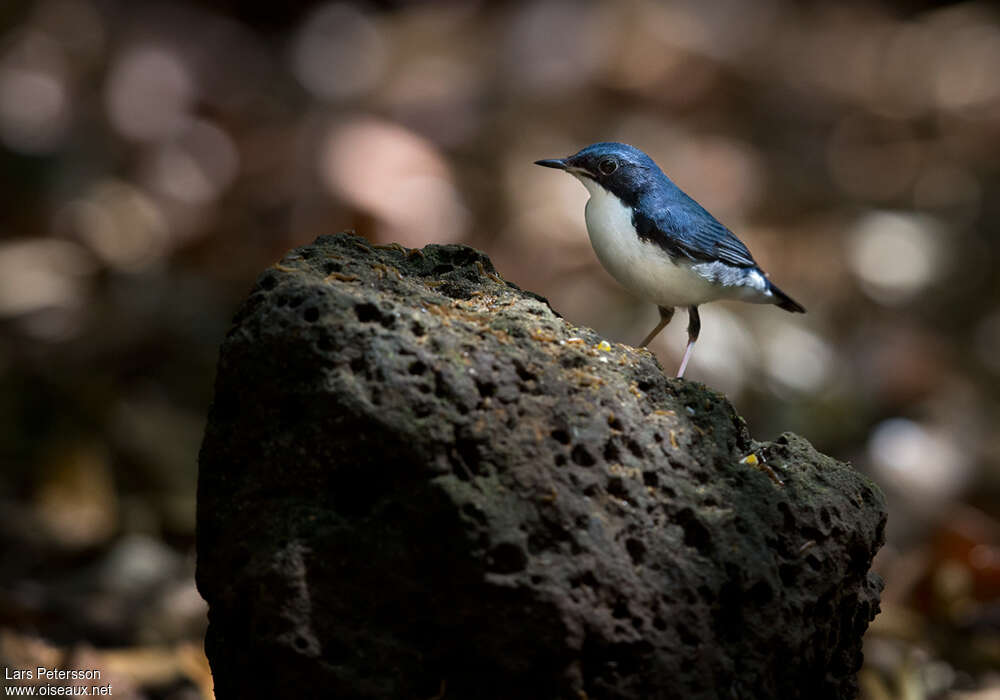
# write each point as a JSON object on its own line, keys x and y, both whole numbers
{"x": 155, "y": 156}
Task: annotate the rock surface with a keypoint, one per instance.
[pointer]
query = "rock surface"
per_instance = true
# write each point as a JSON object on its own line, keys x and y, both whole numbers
{"x": 418, "y": 481}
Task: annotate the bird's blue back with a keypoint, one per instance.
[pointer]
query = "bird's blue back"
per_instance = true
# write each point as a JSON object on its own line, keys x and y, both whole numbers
{"x": 664, "y": 213}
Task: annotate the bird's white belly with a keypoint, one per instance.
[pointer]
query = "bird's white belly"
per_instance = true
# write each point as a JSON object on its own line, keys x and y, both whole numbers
{"x": 643, "y": 268}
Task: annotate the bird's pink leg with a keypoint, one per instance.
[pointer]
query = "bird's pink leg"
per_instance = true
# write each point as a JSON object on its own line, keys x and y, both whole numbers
{"x": 684, "y": 361}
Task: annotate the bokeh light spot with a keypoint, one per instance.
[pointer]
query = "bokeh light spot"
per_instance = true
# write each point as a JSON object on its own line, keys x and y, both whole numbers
{"x": 196, "y": 167}
{"x": 397, "y": 176}
{"x": 34, "y": 104}
{"x": 149, "y": 93}
{"x": 966, "y": 74}
{"x": 923, "y": 462}
{"x": 338, "y": 52}
{"x": 120, "y": 223}
{"x": 555, "y": 46}
{"x": 895, "y": 255}
{"x": 797, "y": 358}
{"x": 37, "y": 274}
{"x": 33, "y": 110}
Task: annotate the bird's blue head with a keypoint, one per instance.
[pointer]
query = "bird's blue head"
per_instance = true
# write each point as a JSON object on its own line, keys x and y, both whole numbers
{"x": 623, "y": 170}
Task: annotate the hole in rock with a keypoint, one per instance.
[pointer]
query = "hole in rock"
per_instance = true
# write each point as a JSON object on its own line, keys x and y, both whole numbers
{"x": 506, "y": 558}
{"x": 616, "y": 487}
{"x": 636, "y": 550}
{"x": 610, "y": 452}
{"x": 367, "y": 312}
{"x": 524, "y": 374}
{"x": 417, "y": 367}
{"x": 696, "y": 535}
{"x": 635, "y": 448}
{"x": 580, "y": 455}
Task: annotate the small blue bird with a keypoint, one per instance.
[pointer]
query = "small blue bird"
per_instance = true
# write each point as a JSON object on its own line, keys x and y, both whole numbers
{"x": 660, "y": 244}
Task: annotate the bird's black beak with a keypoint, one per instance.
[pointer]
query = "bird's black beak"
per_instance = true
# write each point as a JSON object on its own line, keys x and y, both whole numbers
{"x": 557, "y": 163}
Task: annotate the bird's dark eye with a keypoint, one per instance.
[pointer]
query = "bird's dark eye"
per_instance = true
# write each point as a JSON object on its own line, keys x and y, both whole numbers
{"x": 608, "y": 166}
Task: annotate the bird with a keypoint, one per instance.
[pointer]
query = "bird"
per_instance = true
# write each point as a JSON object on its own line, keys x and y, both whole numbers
{"x": 659, "y": 243}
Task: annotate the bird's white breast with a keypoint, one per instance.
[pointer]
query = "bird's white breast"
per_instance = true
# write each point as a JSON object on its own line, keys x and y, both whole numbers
{"x": 642, "y": 267}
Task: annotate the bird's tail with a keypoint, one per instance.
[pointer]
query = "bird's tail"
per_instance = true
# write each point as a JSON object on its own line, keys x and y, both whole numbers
{"x": 783, "y": 301}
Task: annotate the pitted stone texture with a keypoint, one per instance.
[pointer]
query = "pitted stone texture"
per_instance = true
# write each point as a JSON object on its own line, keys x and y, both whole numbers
{"x": 417, "y": 479}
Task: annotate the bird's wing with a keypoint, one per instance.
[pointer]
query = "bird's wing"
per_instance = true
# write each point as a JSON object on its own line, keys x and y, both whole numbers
{"x": 710, "y": 240}
{"x": 686, "y": 230}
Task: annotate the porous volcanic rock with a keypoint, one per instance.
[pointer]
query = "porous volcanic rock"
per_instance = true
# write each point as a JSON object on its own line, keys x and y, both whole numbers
{"x": 418, "y": 481}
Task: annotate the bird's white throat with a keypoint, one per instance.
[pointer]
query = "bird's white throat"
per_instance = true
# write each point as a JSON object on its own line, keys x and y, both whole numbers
{"x": 647, "y": 271}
